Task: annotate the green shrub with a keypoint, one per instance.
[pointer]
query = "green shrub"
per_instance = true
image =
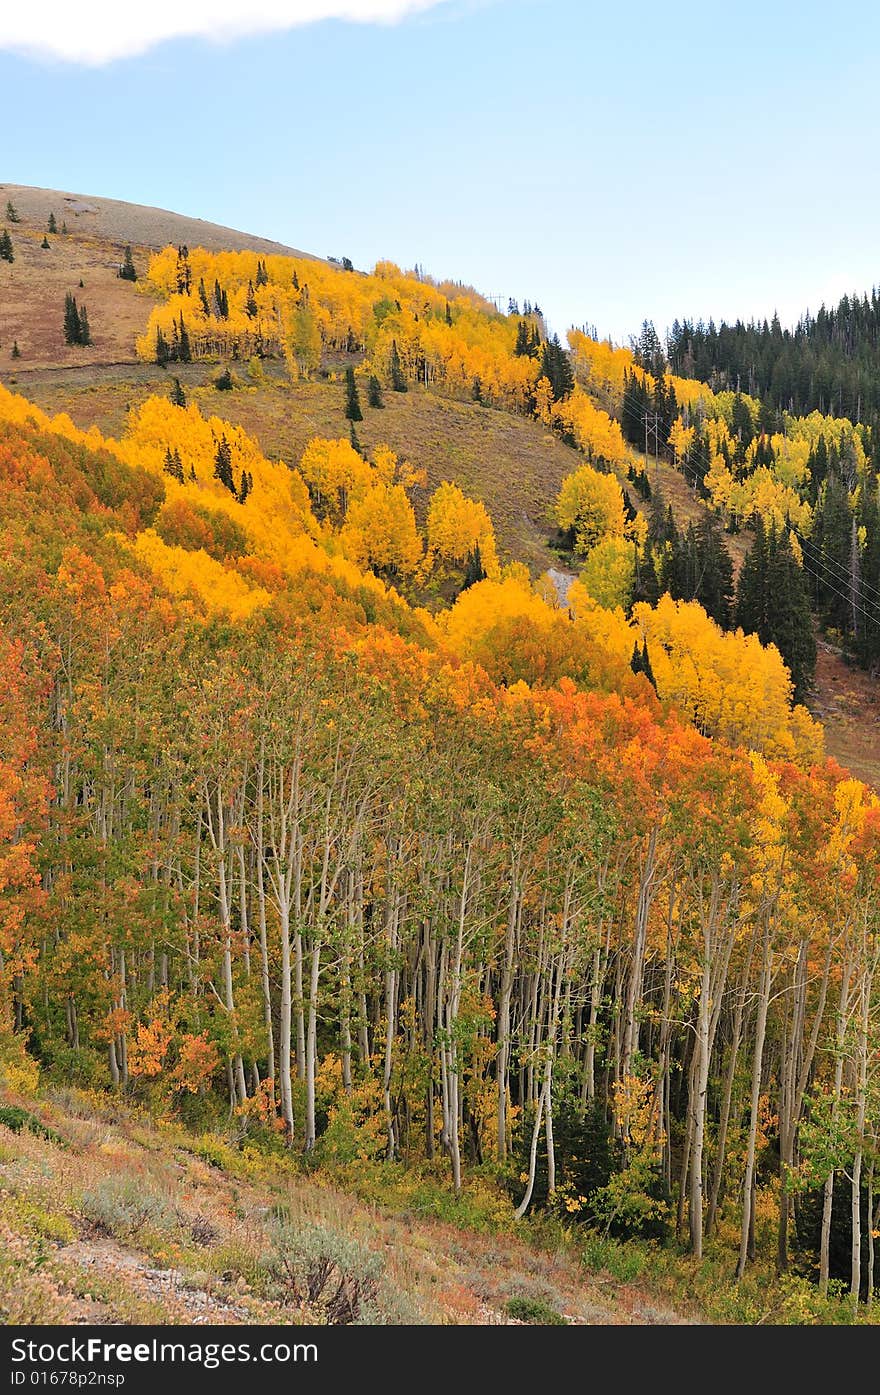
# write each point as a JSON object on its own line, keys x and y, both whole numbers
{"x": 124, "y": 1207}
{"x": 17, "y": 1119}
{"x": 330, "y": 1277}
{"x": 534, "y": 1310}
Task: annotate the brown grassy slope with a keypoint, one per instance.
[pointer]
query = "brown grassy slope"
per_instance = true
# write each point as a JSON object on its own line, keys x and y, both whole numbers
{"x": 115, "y": 221}
{"x": 32, "y": 292}
{"x": 116, "y": 1220}
{"x": 514, "y": 466}
{"x": 847, "y": 703}
{"x": 33, "y": 287}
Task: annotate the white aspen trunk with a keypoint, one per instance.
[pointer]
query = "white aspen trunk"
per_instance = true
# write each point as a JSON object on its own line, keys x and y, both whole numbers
{"x": 285, "y": 1079}
{"x": 391, "y": 913}
{"x": 312, "y": 1046}
{"x": 861, "y": 1100}
{"x": 506, "y": 989}
{"x": 757, "y": 1069}
{"x": 828, "y": 1190}
{"x": 698, "y": 1105}
{"x": 634, "y": 986}
{"x": 533, "y": 1157}
{"x": 265, "y": 985}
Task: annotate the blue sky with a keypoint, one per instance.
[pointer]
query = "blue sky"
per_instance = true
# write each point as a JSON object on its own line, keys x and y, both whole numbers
{"x": 609, "y": 162}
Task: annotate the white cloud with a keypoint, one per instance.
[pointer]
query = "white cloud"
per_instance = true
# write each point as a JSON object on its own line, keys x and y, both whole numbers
{"x": 95, "y": 31}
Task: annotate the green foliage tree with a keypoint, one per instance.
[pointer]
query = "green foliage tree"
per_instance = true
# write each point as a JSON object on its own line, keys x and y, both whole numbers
{"x": 374, "y": 392}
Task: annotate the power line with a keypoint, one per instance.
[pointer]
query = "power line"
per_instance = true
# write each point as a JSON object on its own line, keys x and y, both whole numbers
{"x": 829, "y": 562}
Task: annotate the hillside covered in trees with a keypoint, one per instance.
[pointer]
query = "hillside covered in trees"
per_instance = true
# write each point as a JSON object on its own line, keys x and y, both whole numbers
{"x": 327, "y": 827}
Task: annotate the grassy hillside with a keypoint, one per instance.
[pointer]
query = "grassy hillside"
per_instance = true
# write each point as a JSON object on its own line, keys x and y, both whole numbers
{"x": 510, "y": 463}
{"x": 106, "y": 1218}
{"x": 514, "y": 466}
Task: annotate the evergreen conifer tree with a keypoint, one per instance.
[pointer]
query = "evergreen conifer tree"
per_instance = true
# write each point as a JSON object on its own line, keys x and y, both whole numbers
{"x": 184, "y": 271}
{"x": 250, "y": 304}
{"x": 163, "y": 353}
{"x": 789, "y": 623}
{"x": 223, "y": 465}
{"x": 751, "y": 590}
{"x": 773, "y": 603}
{"x": 184, "y": 352}
{"x": 374, "y": 392}
{"x": 71, "y": 320}
{"x": 45, "y": 243}
{"x": 556, "y": 368}
{"x": 352, "y": 398}
{"x": 11, "y": 212}
{"x": 16, "y": 351}
{"x": 398, "y": 377}
{"x": 474, "y": 570}
{"x": 52, "y": 226}
{"x": 127, "y": 271}
{"x": 178, "y": 396}
{"x": 6, "y": 252}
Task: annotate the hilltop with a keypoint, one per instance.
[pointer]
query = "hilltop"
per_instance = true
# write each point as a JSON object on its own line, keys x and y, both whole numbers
{"x": 116, "y": 222}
